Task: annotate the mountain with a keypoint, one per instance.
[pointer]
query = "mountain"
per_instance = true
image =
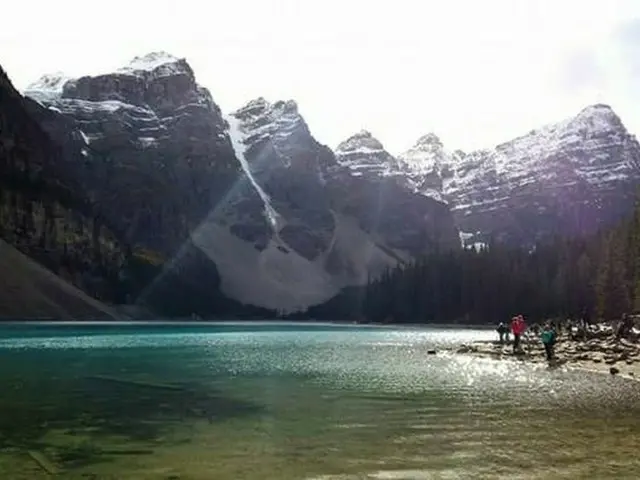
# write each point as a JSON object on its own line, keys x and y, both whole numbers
{"x": 147, "y": 141}
{"x": 569, "y": 178}
{"x": 367, "y": 175}
{"x": 249, "y": 204}
{"x": 301, "y": 226}
{"x": 197, "y": 211}
{"x": 364, "y": 154}
{"x": 45, "y": 213}
{"x": 150, "y": 147}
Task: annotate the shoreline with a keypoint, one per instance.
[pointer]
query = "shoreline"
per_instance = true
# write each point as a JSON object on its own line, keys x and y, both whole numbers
{"x": 603, "y": 355}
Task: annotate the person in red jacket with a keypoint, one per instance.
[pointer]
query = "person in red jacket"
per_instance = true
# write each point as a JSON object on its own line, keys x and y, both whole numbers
{"x": 518, "y": 326}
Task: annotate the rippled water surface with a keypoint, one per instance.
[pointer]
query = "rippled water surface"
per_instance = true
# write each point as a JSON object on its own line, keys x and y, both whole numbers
{"x": 286, "y": 401}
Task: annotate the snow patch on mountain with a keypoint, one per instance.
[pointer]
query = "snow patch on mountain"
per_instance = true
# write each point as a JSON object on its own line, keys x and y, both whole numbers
{"x": 238, "y": 138}
{"x": 154, "y": 61}
{"x": 48, "y": 87}
{"x": 362, "y": 153}
{"x": 426, "y": 155}
{"x": 279, "y": 278}
{"x": 274, "y": 122}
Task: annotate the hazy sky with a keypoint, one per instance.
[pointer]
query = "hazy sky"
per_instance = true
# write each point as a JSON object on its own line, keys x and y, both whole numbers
{"x": 476, "y": 72}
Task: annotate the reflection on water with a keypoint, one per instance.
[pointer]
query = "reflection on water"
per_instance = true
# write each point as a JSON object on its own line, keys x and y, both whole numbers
{"x": 274, "y": 401}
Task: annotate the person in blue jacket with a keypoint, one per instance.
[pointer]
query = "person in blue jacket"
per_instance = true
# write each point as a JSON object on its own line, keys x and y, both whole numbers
{"x": 548, "y": 337}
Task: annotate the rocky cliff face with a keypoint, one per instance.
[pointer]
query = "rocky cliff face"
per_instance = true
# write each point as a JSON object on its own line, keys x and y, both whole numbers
{"x": 147, "y": 141}
{"x": 150, "y": 147}
{"x": 43, "y": 211}
{"x": 572, "y": 177}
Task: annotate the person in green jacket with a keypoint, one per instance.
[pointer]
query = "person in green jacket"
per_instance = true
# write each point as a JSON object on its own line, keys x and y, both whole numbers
{"x": 548, "y": 337}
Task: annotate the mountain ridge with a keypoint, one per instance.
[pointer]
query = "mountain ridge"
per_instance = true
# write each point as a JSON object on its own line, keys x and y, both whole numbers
{"x": 579, "y": 153}
{"x": 300, "y": 225}
{"x": 299, "y": 214}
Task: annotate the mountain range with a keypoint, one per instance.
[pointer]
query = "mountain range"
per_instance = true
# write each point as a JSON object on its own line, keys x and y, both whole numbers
{"x": 137, "y": 188}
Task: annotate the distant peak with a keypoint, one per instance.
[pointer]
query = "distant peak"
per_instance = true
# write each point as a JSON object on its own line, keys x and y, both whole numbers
{"x": 598, "y": 106}
{"x": 459, "y": 154}
{"x": 50, "y": 84}
{"x": 363, "y": 134}
{"x": 359, "y": 140}
{"x": 150, "y": 62}
{"x": 430, "y": 139}
{"x": 260, "y": 105}
{"x": 260, "y": 101}
{"x": 598, "y": 116}
{"x": 253, "y": 107}
{"x": 597, "y": 109}
{"x": 288, "y": 106}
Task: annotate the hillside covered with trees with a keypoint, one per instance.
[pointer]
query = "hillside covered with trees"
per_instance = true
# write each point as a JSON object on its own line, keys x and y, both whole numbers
{"x": 598, "y": 277}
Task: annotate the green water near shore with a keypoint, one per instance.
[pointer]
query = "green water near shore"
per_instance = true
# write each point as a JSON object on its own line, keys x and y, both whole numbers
{"x": 273, "y": 401}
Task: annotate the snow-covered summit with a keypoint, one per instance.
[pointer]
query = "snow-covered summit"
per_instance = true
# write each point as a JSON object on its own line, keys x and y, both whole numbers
{"x": 426, "y": 155}
{"x": 50, "y": 86}
{"x": 430, "y": 140}
{"x": 150, "y": 62}
{"x": 158, "y": 82}
{"x": 363, "y": 153}
{"x": 590, "y": 123}
{"x": 261, "y": 120}
{"x": 156, "y": 64}
{"x": 47, "y": 87}
{"x": 571, "y": 176}
{"x": 362, "y": 142}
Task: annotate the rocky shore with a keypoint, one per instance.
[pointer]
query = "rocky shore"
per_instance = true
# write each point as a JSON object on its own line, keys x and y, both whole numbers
{"x": 597, "y": 349}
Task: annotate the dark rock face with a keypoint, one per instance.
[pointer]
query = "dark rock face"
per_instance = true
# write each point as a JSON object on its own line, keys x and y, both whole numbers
{"x": 149, "y": 147}
{"x": 43, "y": 211}
{"x": 152, "y": 146}
{"x": 568, "y": 178}
{"x": 285, "y": 162}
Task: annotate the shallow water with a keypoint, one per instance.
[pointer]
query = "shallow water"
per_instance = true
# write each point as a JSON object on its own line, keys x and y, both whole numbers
{"x": 286, "y": 401}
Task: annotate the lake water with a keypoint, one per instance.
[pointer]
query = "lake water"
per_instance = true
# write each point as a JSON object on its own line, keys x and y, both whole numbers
{"x": 287, "y": 401}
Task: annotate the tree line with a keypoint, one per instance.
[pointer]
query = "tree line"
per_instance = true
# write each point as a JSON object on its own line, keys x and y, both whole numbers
{"x": 596, "y": 278}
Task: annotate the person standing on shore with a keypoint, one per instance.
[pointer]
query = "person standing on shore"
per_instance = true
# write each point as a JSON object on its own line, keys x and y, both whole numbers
{"x": 502, "y": 331}
{"x": 518, "y": 326}
{"x": 548, "y": 337}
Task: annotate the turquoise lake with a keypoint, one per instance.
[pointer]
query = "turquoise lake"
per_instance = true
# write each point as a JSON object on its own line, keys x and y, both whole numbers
{"x": 298, "y": 401}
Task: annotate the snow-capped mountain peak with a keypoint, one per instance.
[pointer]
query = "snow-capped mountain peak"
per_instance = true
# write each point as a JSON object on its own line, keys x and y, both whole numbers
{"x": 47, "y": 87}
{"x": 162, "y": 63}
{"x": 362, "y": 142}
{"x": 598, "y": 112}
{"x": 153, "y": 65}
{"x": 559, "y": 177}
{"x": 426, "y": 156}
{"x": 150, "y": 85}
{"x": 262, "y": 120}
{"x": 363, "y": 153}
{"x": 429, "y": 141}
